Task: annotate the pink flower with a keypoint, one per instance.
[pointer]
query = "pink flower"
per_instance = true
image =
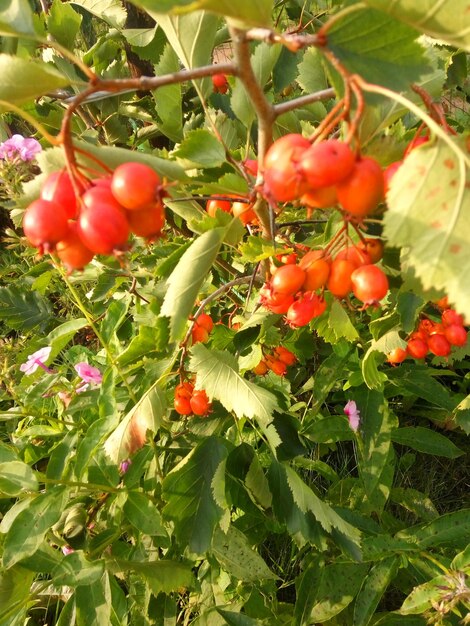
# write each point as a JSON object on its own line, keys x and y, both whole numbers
{"x": 124, "y": 466}
{"x": 67, "y": 550}
{"x": 354, "y": 415}
{"x": 88, "y": 374}
{"x": 26, "y": 148}
{"x": 36, "y": 360}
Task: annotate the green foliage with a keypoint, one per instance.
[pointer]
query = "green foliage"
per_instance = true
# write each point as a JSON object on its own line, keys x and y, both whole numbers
{"x": 176, "y": 481}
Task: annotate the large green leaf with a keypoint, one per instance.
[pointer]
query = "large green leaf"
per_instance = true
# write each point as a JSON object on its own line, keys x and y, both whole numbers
{"x": 217, "y": 373}
{"x": 379, "y": 48}
{"x": 168, "y": 99}
{"x": 93, "y": 603}
{"x": 22, "y": 309}
{"x": 63, "y": 23}
{"x": 429, "y": 215}
{"x": 16, "y": 18}
{"x": 201, "y": 148}
{"x": 143, "y": 514}
{"x": 373, "y": 588}
{"x": 24, "y": 79}
{"x": 15, "y": 477}
{"x": 452, "y": 528}
{"x": 111, "y": 11}
{"x": 244, "y": 12}
{"x": 15, "y": 584}
{"x": 444, "y": 20}
{"x": 187, "y": 278}
{"x": 189, "y": 490}
{"x": 427, "y": 441}
{"x": 29, "y": 527}
{"x": 424, "y": 596}
{"x": 376, "y": 427}
{"x": 162, "y": 576}
{"x": 237, "y": 557}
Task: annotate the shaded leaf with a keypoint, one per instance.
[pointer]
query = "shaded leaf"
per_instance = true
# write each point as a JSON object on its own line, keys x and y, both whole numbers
{"x": 452, "y": 528}
{"x": 75, "y": 570}
{"x": 427, "y": 441}
{"x": 373, "y": 588}
{"x": 201, "y": 148}
{"x": 429, "y": 215}
{"x": 143, "y": 514}
{"x": 22, "y": 309}
{"x": 111, "y": 11}
{"x": 15, "y": 477}
{"x": 63, "y": 23}
{"x": 162, "y": 576}
{"x": 93, "y": 603}
{"x": 168, "y": 100}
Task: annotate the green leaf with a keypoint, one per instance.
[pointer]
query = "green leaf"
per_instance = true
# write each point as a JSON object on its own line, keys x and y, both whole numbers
{"x": 414, "y": 501}
{"x": 312, "y": 76}
{"x": 325, "y": 378}
{"x": 424, "y": 596}
{"x": 188, "y": 277}
{"x": 24, "y": 79}
{"x": 237, "y": 558}
{"x": 243, "y": 12}
{"x": 237, "y": 619}
{"x": 63, "y": 23}
{"x": 163, "y": 576}
{"x": 143, "y": 514}
{"x": 75, "y": 570}
{"x": 22, "y": 309}
{"x": 62, "y": 334}
{"x": 16, "y": 18}
{"x": 331, "y": 589}
{"x": 452, "y": 528}
{"x": 189, "y": 492}
{"x": 379, "y": 48}
{"x": 29, "y": 527}
{"x": 201, "y": 148}
{"x": 429, "y": 215}
{"x": 373, "y": 588}
{"x": 255, "y": 249}
{"x": 427, "y": 441}
{"x": 329, "y": 430}
{"x": 462, "y": 414}
{"x": 93, "y": 603}
{"x": 388, "y": 342}
{"x": 15, "y": 477}
{"x": 168, "y": 100}
{"x": 111, "y": 11}
{"x": 15, "y": 585}
{"x": 417, "y": 380}
{"x": 336, "y": 325}
{"x": 376, "y": 427}
{"x": 217, "y": 373}
{"x": 131, "y": 434}
{"x": 446, "y": 21}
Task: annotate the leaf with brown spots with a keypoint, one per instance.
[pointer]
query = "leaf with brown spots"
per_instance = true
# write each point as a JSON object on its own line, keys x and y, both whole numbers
{"x": 429, "y": 216}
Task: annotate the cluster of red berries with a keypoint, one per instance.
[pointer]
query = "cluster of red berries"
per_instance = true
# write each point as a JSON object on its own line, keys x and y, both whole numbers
{"x": 291, "y": 288}
{"x": 95, "y": 216}
{"x": 203, "y": 325}
{"x": 276, "y": 362}
{"x": 190, "y": 401}
{"x": 322, "y": 175}
{"x": 436, "y": 338}
{"x": 240, "y": 208}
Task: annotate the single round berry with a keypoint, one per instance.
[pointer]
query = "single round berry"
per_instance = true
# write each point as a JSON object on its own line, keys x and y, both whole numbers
{"x": 45, "y": 223}
{"x": 360, "y": 193}
{"x": 103, "y": 228}
{"x": 327, "y": 163}
{"x": 135, "y": 185}
{"x": 369, "y": 284}
{"x": 282, "y": 179}
{"x": 58, "y": 188}
{"x": 288, "y": 279}
{"x": 72, "y": 251}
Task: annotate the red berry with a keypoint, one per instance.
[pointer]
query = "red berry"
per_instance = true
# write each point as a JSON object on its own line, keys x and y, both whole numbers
{"x": 199, "y": 402}
{"x": 45, "y": 223}
{"x": 251, "y": 166}
{"x": 282, "y": 179}
{"x": 360, "y": 193}
{"x": 339, "y": 280}
{"x": 303, "y": 310}
{"x": 72, "y": 251}
{"x": 99, "y": 194}
{"x": 261, "y": 368}
{"x": 456, "y": 335}
{"x": 369, "y": 284}
{"x": 199, "y": 334}
{"x": 288, "y": 279}
{"x": 103, "y": 228}
{"x": 276, "y": 365}
{"x": 439, "y": 345}
{"x": 58, "y": 188}
{"x": 220, "y": 83}
{"x": 321, "y": 198}
{"x": 285, "y": 355}
{"x": 398, "y": 355}
{"x": 213, "y": 205}
{"x": 373, "y": 247}
{"x": 354, "y": 255}
{"x": 147, "y": 222}
{"x": 327, "y": 163}
{"x": 244, "y": 211}
{"x": 205, "y": 321}
{"x": 184, "y": 390}
{"x": 417, "y": 347}
{"x": 135, "y": 185}
{"x": 182, "y": 405}
{"x": 451, "y": 317}
{"x": 316, "y": 264}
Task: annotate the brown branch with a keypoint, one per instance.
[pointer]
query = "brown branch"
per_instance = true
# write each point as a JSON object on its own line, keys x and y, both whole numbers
{"x": 285, "y": 107}
{"x": 292, "y": 41}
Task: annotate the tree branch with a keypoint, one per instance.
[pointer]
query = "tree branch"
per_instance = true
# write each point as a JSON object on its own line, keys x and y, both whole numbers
{"x": 295, "y": 103}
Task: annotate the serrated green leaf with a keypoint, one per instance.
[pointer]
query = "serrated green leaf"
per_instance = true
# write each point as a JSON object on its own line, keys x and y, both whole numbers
{"x": 143, "y": 514}
{"x": 188, "y": 491}
{"x": 201, "y": 148}
{"x": 21, "y": 309}
{"x": 379, "y": 48}
{"x": 256, "y": 249}
{"x": 340, "y": 323}
{"x": 447, "y": 21}
{"x": 217, "y": 373}
{"x": 237, "y": 557}
{"x": 238, "y": 619}
{"x": 427, "y": 441}
{"x": 462, "y": 414}
{"x": 187, "y": 278}
{"x": 15, "y": 477}
{"x": 24, "y": 79}
{"x": 111, "y": 11}
{"x": 75, "y": 570}
{"x": 429, "y": 214}
{"x": 131, "y": 434}
{"x": 63, "y": 23}
{"x": 16, "y": 18}
{"x": 93, "y": 603}
{"x": 312, "y": 76}
{"x": 29, "y": 527}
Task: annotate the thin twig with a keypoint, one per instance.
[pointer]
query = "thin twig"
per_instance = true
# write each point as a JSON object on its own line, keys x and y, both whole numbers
{"x": 296, "y": 103}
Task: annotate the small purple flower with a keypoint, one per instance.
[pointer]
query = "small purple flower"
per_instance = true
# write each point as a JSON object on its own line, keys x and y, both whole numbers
{"x": 67, "y": 550}
{"x": 88, "y": 374}
{"x": 26, "y": 148}
{"x": 36, "y": 360}
{"x": 353, "y": 414}
{"x": 124, "y": 466}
